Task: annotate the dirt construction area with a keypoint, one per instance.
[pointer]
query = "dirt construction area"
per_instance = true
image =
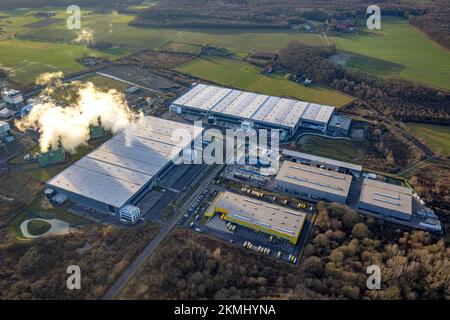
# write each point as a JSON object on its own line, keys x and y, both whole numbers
{"x": 139, "y": 76}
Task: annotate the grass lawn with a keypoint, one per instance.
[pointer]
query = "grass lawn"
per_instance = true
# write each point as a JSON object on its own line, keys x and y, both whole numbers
{"x": 38, "y": 227}
{"x": 401, "y": 44}
{"x": 106, "y": 83}
{"x": 367, "y": 64}
{"x": 248, "y": 40}
{"x": 34, "y": 169}
{"x": 16, "y": 21}
{"x": 425, "y": 165}
{"x": 19, "y": 186}
{"x": 27, "y": 59}
{"x": 342, "y": 150}
{"x": 437, "y": 138}
{"x": 175, "y": 46}
{"x": 15, "y": 225}
{"x": 239, "y": 74}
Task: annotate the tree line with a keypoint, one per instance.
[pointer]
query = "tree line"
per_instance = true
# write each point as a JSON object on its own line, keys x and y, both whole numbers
{"x": 414, "y": 265}
{"x": 396, "y": 97}
{"x": 14, "y": 4}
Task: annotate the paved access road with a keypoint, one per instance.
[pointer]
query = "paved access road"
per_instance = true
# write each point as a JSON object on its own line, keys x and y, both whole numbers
{"x": 151, "y": 246}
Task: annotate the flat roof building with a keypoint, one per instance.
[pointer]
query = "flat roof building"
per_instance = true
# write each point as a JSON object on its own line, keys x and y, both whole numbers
{"x": 316, "y": 161}
{"x": 316, "y": 183}
{"x": 339, "y": 125}
{"x": 13, "y": 99}
{"x": 259, "y": 109}
{"x": 123, "y": 169}
{"x": 386, "y": 199}
{"x": 272, "y": 219}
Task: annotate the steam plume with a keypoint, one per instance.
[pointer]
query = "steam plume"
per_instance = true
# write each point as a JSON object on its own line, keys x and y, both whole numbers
{"x": 68, "y": 127}
{"x": 85, "y": 36}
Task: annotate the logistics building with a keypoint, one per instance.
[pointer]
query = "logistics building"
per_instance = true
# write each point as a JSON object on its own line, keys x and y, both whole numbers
{"x": 339, "y": 125}
{"x": 386, "y": 199}
{"x": 315, "y": 183}
{"x": 252, "y": 109}
{"x": 123, "y": 169}
{"x": 262, "y": 216}
{"x": 320, "y": 162}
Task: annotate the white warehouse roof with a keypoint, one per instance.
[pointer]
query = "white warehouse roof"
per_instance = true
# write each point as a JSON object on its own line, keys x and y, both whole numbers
{"x": 386, "y": 195}
{"x": 252, "y": 106}
{"x": 120, "y": 167}
{"x": 260, "y": 213}
{"x": 314, "y": 178}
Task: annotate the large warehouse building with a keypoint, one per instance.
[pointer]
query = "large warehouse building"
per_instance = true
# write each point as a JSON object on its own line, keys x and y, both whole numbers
{"x": 272, "y": 219}
{"x": 315, "y": 183}
{"x": 386, "y": 199}
{"x": 123, "y": 169}
{"x": 258, "y": 110}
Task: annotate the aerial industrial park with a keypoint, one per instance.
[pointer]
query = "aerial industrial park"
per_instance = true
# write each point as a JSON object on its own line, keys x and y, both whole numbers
{"x": 116, "y": 181}
{"x": 280, "y": 161}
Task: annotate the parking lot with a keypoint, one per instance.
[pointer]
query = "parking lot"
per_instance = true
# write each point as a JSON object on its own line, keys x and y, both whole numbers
{"x": 247, "y": 238}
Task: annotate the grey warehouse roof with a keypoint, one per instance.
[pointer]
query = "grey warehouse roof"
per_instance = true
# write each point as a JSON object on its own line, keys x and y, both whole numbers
{"x": 120, "y": 167}
{"x": 340, "y": 121}
{"x": 386, "y": 195}
{"x": 253, "y": 106}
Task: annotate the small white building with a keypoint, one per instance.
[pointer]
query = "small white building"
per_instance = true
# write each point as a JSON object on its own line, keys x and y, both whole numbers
{"x": 129, "y": 214}
{"x": 5, "y": 132}
{"x": 13, "y": 99}
{"x": 5, "y": 113}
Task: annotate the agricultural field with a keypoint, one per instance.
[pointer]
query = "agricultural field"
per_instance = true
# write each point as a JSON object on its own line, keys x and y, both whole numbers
{"x": 25, "y": 60}
{"x": 14, "y": 22}
{"x": 400, "y": 48}
{"x": 239, "y": 74}
{"x": 114, "y": 28}
{"x": 435, "y": 137}
{"x": 248, "y": 40}
{"x": 343, "y": 150}
{"x": 397, "y": 50}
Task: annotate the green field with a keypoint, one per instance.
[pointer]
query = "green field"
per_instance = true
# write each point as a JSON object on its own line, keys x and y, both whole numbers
{"x": 342, "y": 150}
{"x": 15, "y": 21}
{"x": 239, "y": 74}
{"x": 114, "y": 28}
{"x": 437, "y": 138}
{"x": 412, "y": 55}
{"x": 35, "y": 171}
{"x": 248, "y": 40}
{"x": 106, "y": 83}
{"x": 397, "y": 49}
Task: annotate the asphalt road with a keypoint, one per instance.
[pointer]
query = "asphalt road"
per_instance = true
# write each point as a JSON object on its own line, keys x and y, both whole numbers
{"x": 153, "y": 244}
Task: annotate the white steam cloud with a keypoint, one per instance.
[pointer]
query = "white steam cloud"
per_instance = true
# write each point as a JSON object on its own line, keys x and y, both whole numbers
{"x": 69, "y": 127}
{"x": 85, "y": 36}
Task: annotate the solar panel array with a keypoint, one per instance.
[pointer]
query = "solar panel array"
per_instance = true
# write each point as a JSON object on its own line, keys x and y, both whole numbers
{"x": 252, "y": 106}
